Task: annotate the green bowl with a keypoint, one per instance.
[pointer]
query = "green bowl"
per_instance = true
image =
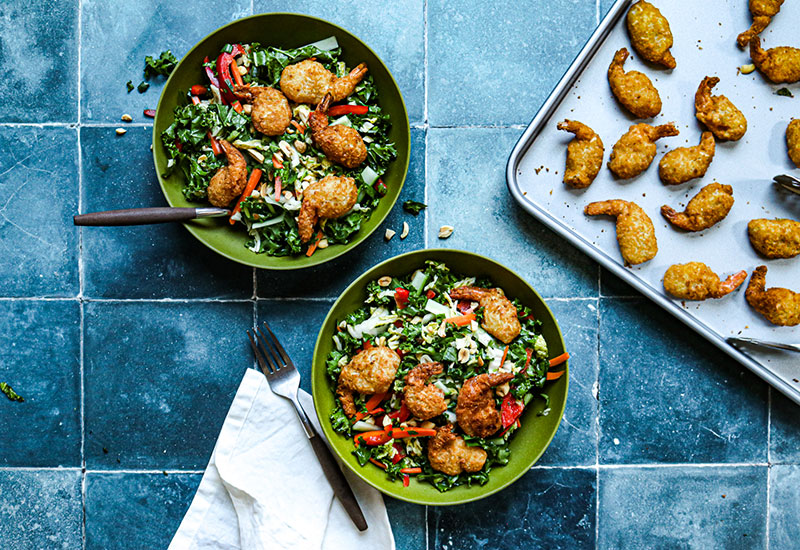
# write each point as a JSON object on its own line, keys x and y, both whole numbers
{"x": 286, "y": 30}
{"x": 527, "y": 444}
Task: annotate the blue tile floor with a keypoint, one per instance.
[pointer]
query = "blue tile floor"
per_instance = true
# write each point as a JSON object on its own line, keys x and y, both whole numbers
{"x": 127, "y": 344}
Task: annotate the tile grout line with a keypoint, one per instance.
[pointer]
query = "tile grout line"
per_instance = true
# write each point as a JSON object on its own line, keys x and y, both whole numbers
{"x": 425, "y": 220}
{"x": 597, "y": 12}
{"x": 83, "y": 299}
{"x": 597, "y": 422}
{"x": 81, "y": 307}
{"x": 769, "y": 461}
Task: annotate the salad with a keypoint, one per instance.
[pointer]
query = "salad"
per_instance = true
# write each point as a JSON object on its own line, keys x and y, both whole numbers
{"x": 218, "y": 114}
{"x": 432, "y": 376}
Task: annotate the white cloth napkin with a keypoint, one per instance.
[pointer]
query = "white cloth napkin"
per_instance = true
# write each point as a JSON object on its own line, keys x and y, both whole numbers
{"x": 264, "y": 488}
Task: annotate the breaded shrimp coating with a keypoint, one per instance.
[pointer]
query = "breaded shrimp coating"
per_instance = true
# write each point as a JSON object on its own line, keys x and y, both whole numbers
{"x": 476, "y": 411}
{"x": 696, "y": 281}
{"x": 780, "y": 306}
{"x": 718, "y": 113}
{"x": 780, "y": 65}
{"x": 635, "y": 232}
{"x": 271, "y": 113}
{"x": 708, "y": 207}
{"x": 449, "y": 454}
{"x": 793, "y": 141}
{"x": 371, "y": 371}
{"x": 775, "y": 238}
{"x": 341, "y": 144}
{"x": 309, "y": 81}
{"x": 424, "y": 400}
{"x": 633, "y": 89}
{"x": 584, "y": 154}
{"x": 499, "y": 314}
{"x": 229, "y": 181}
{"x": 687, "y": 163}
{"x": 762, "y": 11}
{"x": 636, "y": 149}
{"x": 329, "y": 198}
{"x": 650, "y": 34}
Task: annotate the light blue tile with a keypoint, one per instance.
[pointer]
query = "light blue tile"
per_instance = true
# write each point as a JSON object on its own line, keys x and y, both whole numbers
{"x": 467, "y": 190}
{"x": 784, "y": 507}
{"x": 159, "y": 378}
{"x": 785, "y": 430}
{"x": 146, "y": 508}
{"x": 39, "y": 61}
{"x": 40, "y": 509}
{"x": 116, "y": 37}
{"x": 39, "y": 190}
{"x": 668, "y": 396}
{"x": 689, "y": 508}
{"x": 40, "y": 359}
{"x": 394, "y": 30}
{"x": 496, "y": 62}
{"x": 151, "y": 261}
{"x": 408, "y": 523}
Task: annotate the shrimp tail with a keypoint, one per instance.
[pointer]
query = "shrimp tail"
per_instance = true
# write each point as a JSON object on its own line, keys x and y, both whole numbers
{"x": 348, "y": 403}
{"x": 730, "y": 284}
{"x": 702, "y": 98}
{"x": 609, "y": 208}
{"x": 306, "y": 220}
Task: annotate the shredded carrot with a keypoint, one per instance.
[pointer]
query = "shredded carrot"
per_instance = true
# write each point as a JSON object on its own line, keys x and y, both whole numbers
{"x": 300, "y": 128}
{"x": 411, "y": 470}
{"x": 237, "y": 76}
{"x": 378, "y": 436}
{"x": 406, "y": 480}
{"x": 558, "y": 360}
{"x": 371, "y": 405}
{"x": 237, "y": 106}
{"x": 505, "y": 354}
{"x": 461, "y": 320}
{"x": 215, "y": 146}
{"x": 555, "y": 375}
{"x": 399, "y": 433}
{"x": 276, "y": 163}
{"x": 312, "y": 247}
{"x": 378, "y": 463}
{"x": 255, "y": 176}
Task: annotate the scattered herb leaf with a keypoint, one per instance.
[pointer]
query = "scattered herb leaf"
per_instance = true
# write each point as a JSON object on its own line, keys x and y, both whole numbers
{"x": 10, "y": 393}
{"x": 414, "y": 207}
{"x": 163, "y": 66}
{"x": 142, "y": 87}
{"x": 130, "y": 86}
{"x": 785, "y": 92}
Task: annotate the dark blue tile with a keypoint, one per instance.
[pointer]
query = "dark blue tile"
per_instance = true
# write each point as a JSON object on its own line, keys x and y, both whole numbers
{"x": 40, "y": 359}
{"x": 611, "y": 285}
{"x": 151, "y": 261}
{"x": 146, "y": 508}
{"x": 39, "y": 61}
{"x": 296, "y": 324}
{"x": 40, "y": 509}
{"x": 394, "y": 30}
{"x": 331, "y": 278}
{"x": 408, "y": 524}
{"x": 159, "y": 378}
{"x": 116, "y": 37}
{"x": 548, "y": 508}
{"x": 39, "y": 186}
{"x": 785, "y": 430}
{"x": 784, "y": 507}
{"x": 575, "y": 443}
{"x": 684, "y": 507}
{"x": 668, "y": 396}
{"x": 496, "y": 62}
{"x": 467, "y": 190}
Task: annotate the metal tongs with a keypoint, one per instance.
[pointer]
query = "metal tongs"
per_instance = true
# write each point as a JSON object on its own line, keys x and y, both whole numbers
{"x": 790, "y": 183}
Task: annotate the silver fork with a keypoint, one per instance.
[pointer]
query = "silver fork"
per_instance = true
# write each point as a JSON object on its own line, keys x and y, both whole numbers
{"x": 284, "y": 380}
{"x": 790, "y": 183}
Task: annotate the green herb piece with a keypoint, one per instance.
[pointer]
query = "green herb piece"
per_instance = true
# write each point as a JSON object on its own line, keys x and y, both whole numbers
{"x": 142, "y": 87}
{"x": 163, "y": 66}
{"x": 130, "y": 86}
{"x": 414, "y": 207}
{"x": 10, "y": 393}
{"x": 785, "y": 92}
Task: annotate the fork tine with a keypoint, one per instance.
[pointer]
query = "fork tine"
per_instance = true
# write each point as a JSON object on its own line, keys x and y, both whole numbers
{"x": 266, "y": 348}
{"x": 278, "y": 345}
{"x": 257, "y": 353}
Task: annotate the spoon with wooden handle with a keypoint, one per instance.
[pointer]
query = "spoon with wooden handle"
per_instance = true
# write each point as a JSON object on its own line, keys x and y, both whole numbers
{"x": 146, "y": 216}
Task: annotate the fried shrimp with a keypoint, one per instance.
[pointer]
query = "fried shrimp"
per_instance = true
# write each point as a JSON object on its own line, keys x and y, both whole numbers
{"x": 584, "y": 154}
{"x": 424, "y": 400}
{"x": 696, "y": 281}
{"x": 635, "y": 232}
{"x": 687, "y": 163}
{"x": 476, "y": 411}
{"x": 633, "y": 89}
{"x": 780, "y": 65}
{"x": 718, "y": 113}
{"x": 371, "y": 371}
{"x": 775, "y": 238}
{"x": 499, "y": 314}
{"x": 793, "y": 141}
{"x": 449, "y": 454}
{"x": 341, "y": 144}
{"x": 329, "y": 198}
{"x": 780, "y": 306}
{"x": 762, "y": 11}
{"x": 636, "y": 149}
{"x": 650, "y": 34}
{"x": 708, "y": 207}
{"x": 229, "y": 181}
{"x": 271, "y": 113}
{"x": 309, "y": 81}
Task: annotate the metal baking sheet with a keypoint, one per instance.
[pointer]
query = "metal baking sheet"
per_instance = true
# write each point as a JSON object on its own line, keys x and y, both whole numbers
{"x": 705, "y": 44}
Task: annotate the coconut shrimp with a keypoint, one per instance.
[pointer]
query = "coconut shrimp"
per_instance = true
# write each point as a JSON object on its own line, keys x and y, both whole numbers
{"x": 762, "y": 11}
{"x": 636, "y": 149}
{"x": 271, "y": 113}
{"x": 341, "y": 144}
{"x": 584, "y": 154}
{"x": 309, "y": 81}
{"x": 718, "y": 113}
{"x": 696, "y": 281}
{"x": 780, "y": 306}
{"x": 775, "y": 238}
{"x": 423, "y": 400}
{"x": 329, "y": 198}
{"x": 476, "y": 411}
{"x": 650, "y": 34}
{"x": 371, "y": 371}
{"x": 633, "y": 89}
{"x": 449, "y": 454}
{"x": 499, "y": 314}
{"x": 708, "y": 207}
{"x": 635, "y": 232}
{"x": 229, "y": 181}
{"x": 793, "y": 141}
{"x": 780, "y": 65}
{"x": 687, "y": 163}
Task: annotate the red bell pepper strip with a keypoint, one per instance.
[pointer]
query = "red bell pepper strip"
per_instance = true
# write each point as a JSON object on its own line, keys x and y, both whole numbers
{"x": 372, "y": 405}
{"x": 380, "y": 188}
{"x": 215, "y": 147}
{"x": 195, "y": 100}
{"x": 399, "y": 455}
{"x": 401, "y": 297}
{"x": 406, "y": 480}
{"x": 237, "y": 50}
{"x": 430, "y": 294}
{"x": 373, "y": 438}
{"x": 277, "y": 188}
{"x": 367, "y": 345}
{"x": 237, "y": 76}
{"x": 178, "y": 144}
{"x": 464, "y": 306}
{"x": 276, "y": 163}
{"x": 461, "y": 320}
{"x": 198, "y": 89}
{"x": 224, "y": 71}
{"x": 510, "y": 410}
{"x": 149, "y": 113}
{"x": 212, "y": 78}
{"x": 338, "y": 110}
{"x": 401, "y": 415}
{"x": 558, "y": 360}
{"x": 255, "y": 176}
{"x": 555, "y": 375}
